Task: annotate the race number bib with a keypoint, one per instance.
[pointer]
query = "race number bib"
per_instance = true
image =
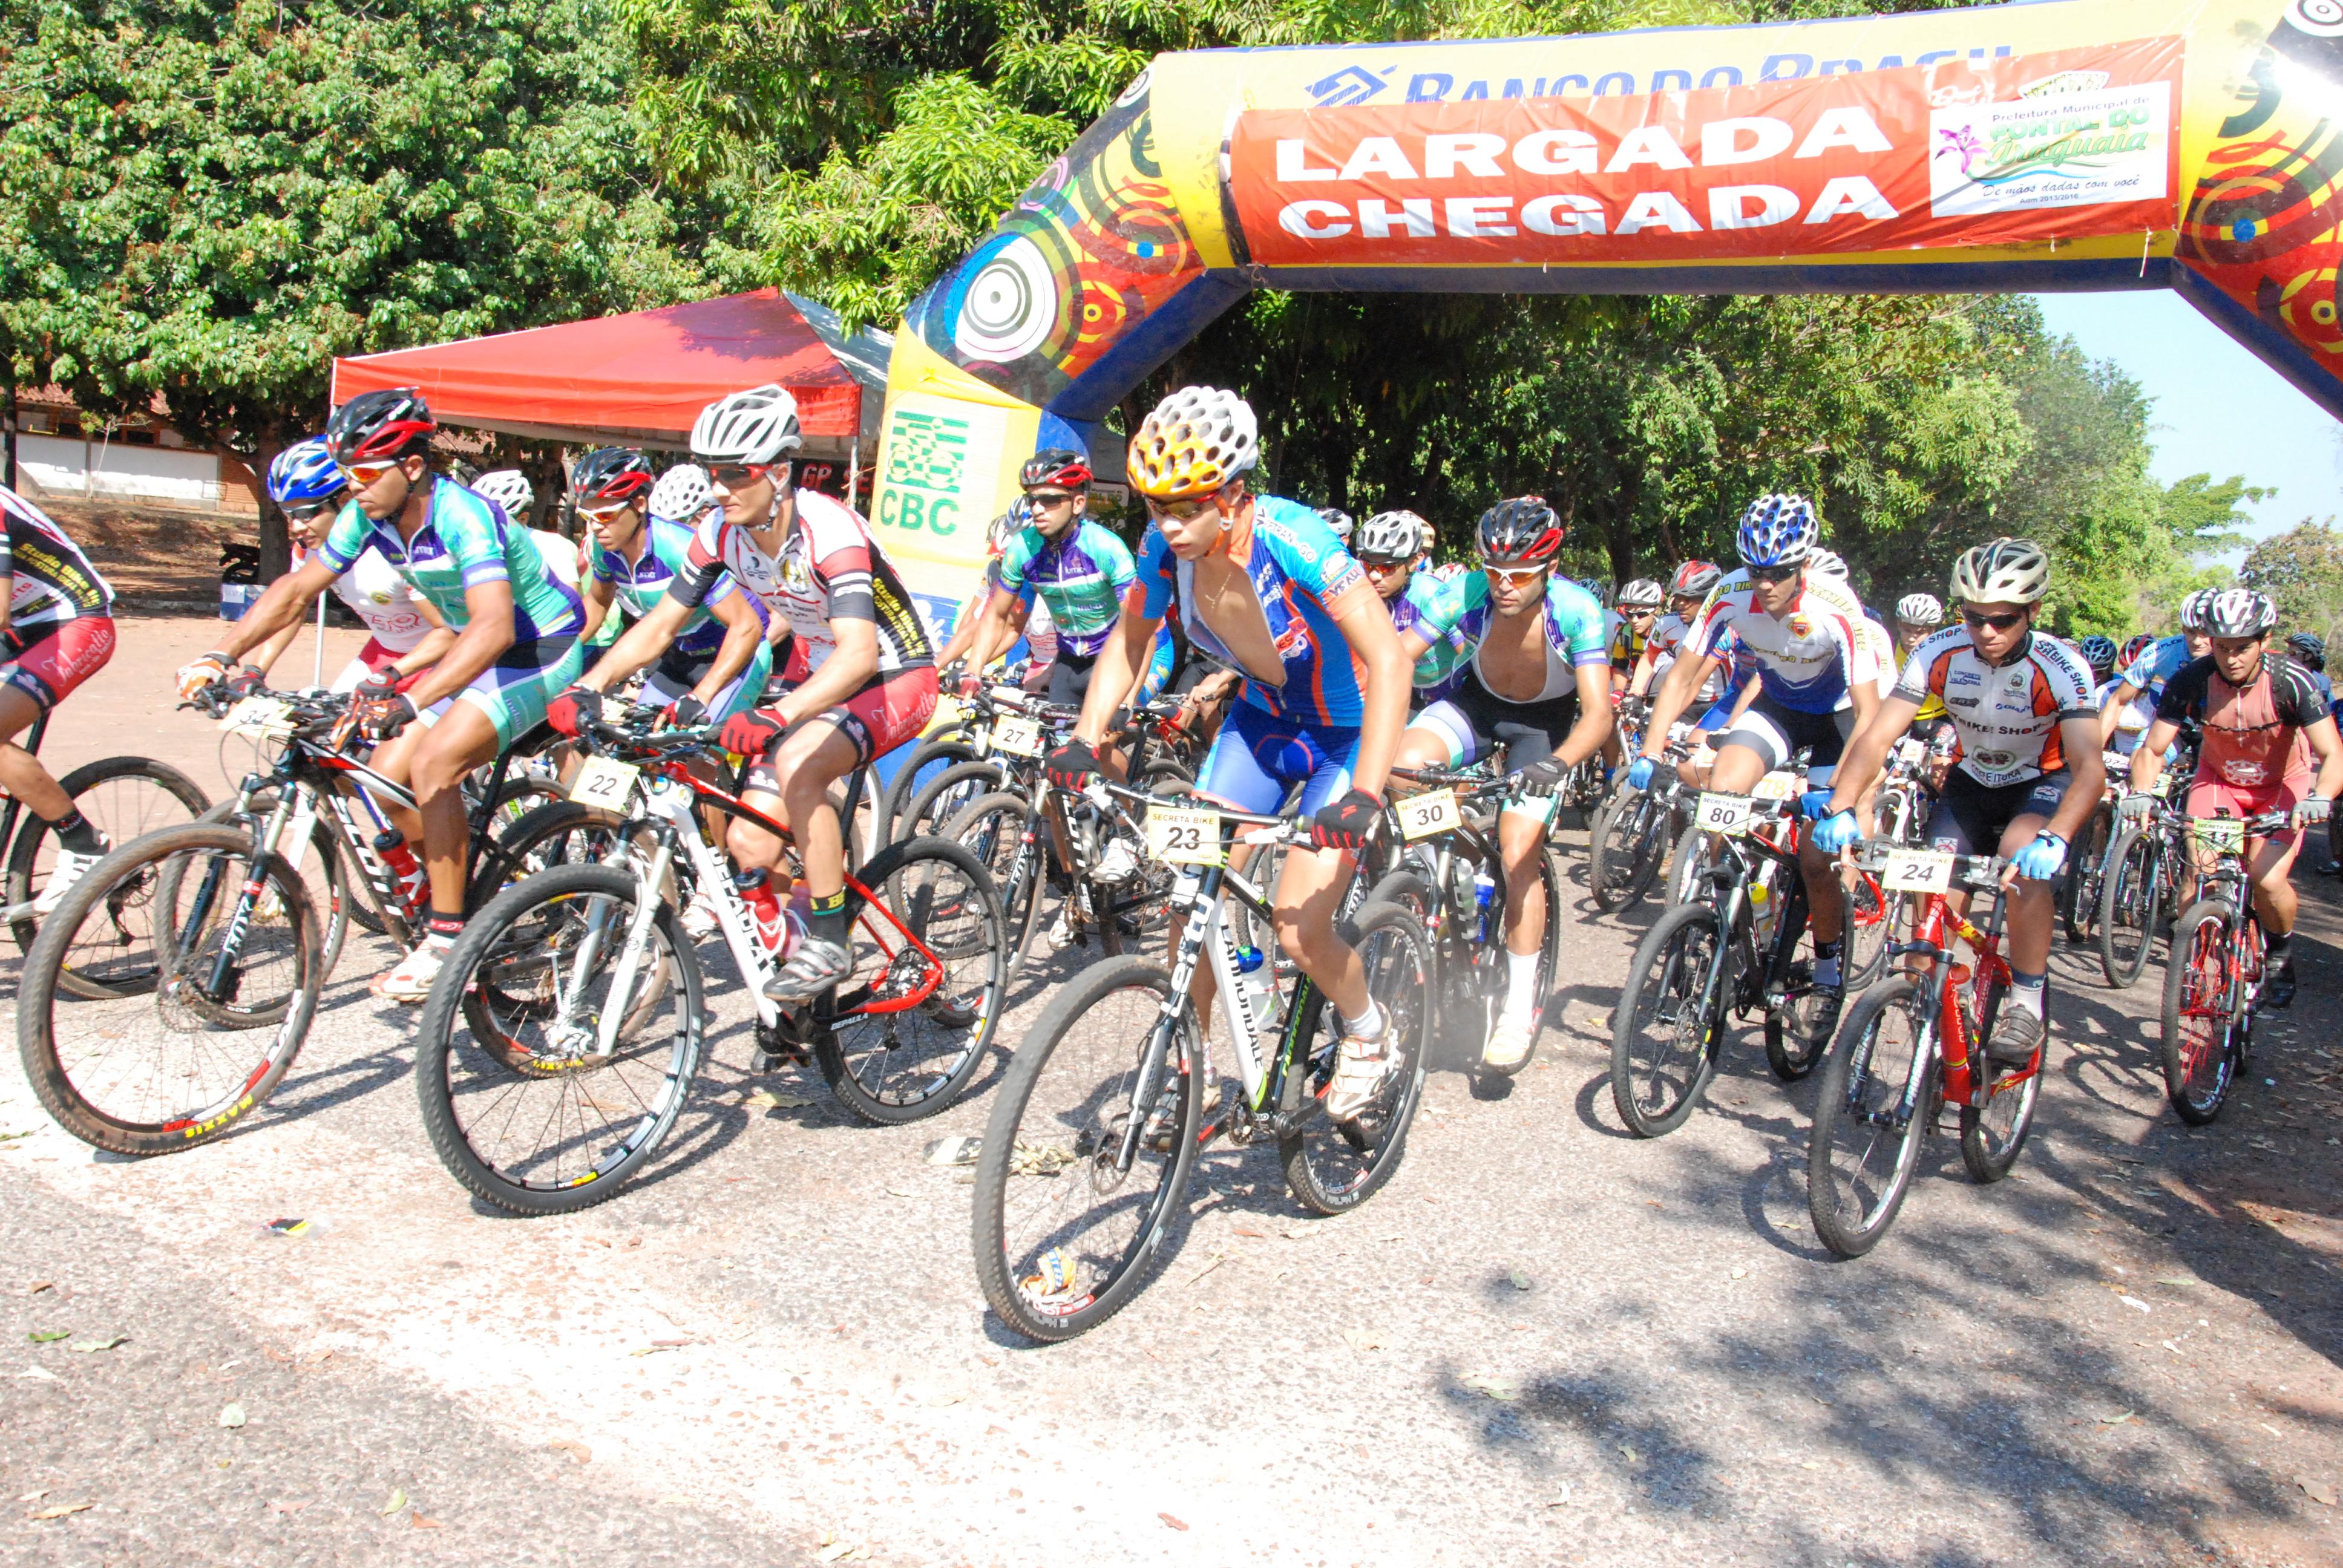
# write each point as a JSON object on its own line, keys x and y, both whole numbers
{"x": 1776, "y": 786}
{"x": 1185, "y": 836}
{"x": 2219, "y": 835}
{"x": 1726, "y": 814}
{"x": 1017, "y": 737}
{"x": 1429, "y": 815}
{"x": 259, "y": 717}
{"x": 1911, "y": 752}
{"x": 605, "y": 784}
{"x": 1918, "y": 871}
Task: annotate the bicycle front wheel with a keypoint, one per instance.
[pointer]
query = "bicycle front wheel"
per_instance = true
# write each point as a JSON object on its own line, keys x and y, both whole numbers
{"x": 2131, "y": 901}
{"x": 1332, "y": 1167}
{"x": 124, "y": 797}
{"x": 207, "y": 969}
{"x": 1616, "y": 839}
{"x": 1877, "y": 1101}
{"x": 1065, "y": 1226}
{"x": 522, "y": 1103}
{"x": 2200, "y": 1011}
{"x": 1687, "y": 864}
{"x": 904, "y": 1034}
{"x": 1669, "y": 1029}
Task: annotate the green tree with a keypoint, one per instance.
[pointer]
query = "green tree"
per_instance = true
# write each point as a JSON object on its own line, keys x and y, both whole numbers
{"x": 211, "y": 202}
{"x": 2302, "y": 571}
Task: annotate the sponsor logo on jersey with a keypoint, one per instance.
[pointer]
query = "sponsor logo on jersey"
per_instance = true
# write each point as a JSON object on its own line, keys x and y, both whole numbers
{"x": 1996, "y": 761}
{"x": 1966, "y": 677}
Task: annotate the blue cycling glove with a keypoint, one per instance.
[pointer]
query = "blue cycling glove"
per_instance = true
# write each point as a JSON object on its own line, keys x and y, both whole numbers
{"x": 1639, "y": 773}
{"x": 1835, "y": 832}
{"x": 2041, "y": 860}
{"x": 1814, "y": 804}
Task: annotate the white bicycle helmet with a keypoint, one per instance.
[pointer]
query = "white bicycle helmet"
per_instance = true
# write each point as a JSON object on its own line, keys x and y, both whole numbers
{"x": 1195, "y": 441}
{"x": 2239, "y": 612}
{"x": 1780, "y": 531}
{"x": 681, "y": 493}
{"x": 758, "y": 426}
{"x": 1828, "y": 563}
{"x": 2193, "y": 608}
{"x": 1641, "y": 594}
{"x": 509, "y": 488}
{"x": 2003, "y": 571}
{"x": 1397, "y": 536}
{"x": 1336, "y": 519}
{"x": 1919, "y": 609}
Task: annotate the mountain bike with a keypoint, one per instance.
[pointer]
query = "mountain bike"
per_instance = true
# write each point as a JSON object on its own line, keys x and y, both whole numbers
{"x": 1090, "y": 1146}
{"x": 1743, "y": 948}
{"x": 1631, "y": 833}
{"x": 1912, "y": 1045}
{"x": 1451, "y": 874}
{"x": 2137, "y": 892}
{"x": 171, "y": 990}
{"x": 1901, "y": 810}
{"x": 2213, "y": 972}
{"x": 562, "y": 1037}
{"x": 2086, "y": 865}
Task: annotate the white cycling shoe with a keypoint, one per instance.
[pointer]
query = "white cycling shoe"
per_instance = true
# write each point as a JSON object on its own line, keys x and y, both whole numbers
{"x": 1117, "y": 864}
{"x": 70, "y": 868}
{"x": 411, "y": 979}
{"x": 699, "y": 922}
{"x": 1511, "y": 1038}
{"x": 1361, "y": 1068}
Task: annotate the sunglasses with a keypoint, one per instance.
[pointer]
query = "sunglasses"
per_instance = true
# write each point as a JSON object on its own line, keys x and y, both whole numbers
{"x": 1514, "y": 577}
{"x": 598, "y": 510}
{"x": 732, "y": 475}
{"x": 1774, "y": 574}
{"x": 1977, "y": 622}
{"x": 361, "y": 474}
{"x": 1182, "y": 511}
{"x": 1382, "y": 568}
{"x": 1050, "y": 497}
{"x": 310, "y": 513}
{"x": 1639, "y": 614}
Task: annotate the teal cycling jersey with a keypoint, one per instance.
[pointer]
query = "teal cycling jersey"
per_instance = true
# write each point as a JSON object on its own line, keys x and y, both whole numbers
{"x": 1435, "y": 671}
{"x": 639, "y": 585}
{"x": 464, "y": 541}
{"x": 1574, "y": 633}
{"x": 1080, "y": 575}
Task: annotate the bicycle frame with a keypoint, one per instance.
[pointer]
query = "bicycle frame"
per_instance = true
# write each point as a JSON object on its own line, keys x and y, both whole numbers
{"x": 1933, "y": 933}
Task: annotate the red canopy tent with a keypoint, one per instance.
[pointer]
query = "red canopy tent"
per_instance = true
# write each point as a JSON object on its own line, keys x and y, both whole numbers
{"x": 644, "y": 377}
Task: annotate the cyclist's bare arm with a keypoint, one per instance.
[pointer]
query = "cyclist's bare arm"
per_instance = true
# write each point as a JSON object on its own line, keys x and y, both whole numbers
{"x": 2109, "y": 716}
{"x": 2328, "y": 747}
{"x": 423, "y": 655}
{"x": 1116, "y": 674}
{"x": 486, "y": 634}
{"x": 2148, "y": 761}
{"x": 1595, "y": 721}
{"x": 743, "y": 635}
{"x": 1366, "y": 625}
{"x": 598, "y": 597}
{"x": 1676, "y": 690}
{"x": 282, "y": 604}
{"x": 1647, "y": 661}
{"x": 1867, "y": 755}
{"x": 2087, "y": 778}
{"x": 643, "y": 642}
{"x": 1413, "y": 644}
{"x": 997, "y": 629}
{"x": 1741, "y": 704}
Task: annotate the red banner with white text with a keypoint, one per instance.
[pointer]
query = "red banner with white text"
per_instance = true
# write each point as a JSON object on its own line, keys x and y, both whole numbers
{"x": 1960, "y": 151}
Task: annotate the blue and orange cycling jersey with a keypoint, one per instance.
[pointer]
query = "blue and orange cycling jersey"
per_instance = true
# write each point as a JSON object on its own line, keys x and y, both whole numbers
{"x": 1302, "y": 578}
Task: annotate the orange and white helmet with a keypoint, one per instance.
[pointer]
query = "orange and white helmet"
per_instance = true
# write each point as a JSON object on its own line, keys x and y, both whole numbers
{"x": 1196, "y": 440}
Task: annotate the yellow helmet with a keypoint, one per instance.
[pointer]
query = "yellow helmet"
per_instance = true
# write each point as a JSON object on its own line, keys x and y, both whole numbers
{"x": 1197, "y": 440}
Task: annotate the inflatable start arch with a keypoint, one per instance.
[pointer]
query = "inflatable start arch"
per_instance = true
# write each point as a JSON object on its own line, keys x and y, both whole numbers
{"x": 2065, "y": 144}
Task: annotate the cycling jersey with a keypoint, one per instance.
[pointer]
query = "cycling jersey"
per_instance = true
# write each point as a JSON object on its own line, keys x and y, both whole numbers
{"x": 2132, "y": 722}
{"x": 830, "y": 568}
{"x": 1626, "y": 643}
{"x": 1301, "y": 580}
{"x": 1806, "y": 660}
{"x": 51, "y": 582}
{"x": 1573, "y": 622}
{"x": 381, "y": 599}
{"x": 639, "y": 585}
{"x": 2007, "y": 715}
{"x": 1081, "y": 575}
{"x": 2164, "y": 660}
{"x": 464, "y": 542}
{"x": 1435, "y": 671}
{"x": 1663, "y": 645}
{"x": 2253, "y": 734}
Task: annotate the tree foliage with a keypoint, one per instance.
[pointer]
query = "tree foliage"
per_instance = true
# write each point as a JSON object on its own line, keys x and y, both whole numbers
{"x": 2302, "y": 571}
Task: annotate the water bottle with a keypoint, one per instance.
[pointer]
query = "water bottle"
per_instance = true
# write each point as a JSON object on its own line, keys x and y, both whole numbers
{"x": 1259, "y": 985}
{"x": 407, "y": 878}
{"x": 1761, "y": 904}
{"x": 1485, "y": 893}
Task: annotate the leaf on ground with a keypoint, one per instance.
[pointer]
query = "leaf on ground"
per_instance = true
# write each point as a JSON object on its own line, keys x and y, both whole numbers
{"x": 2317, "y": 1490}
{"x": 961, "y": 1149}
{"x": 1632, "y": 1457}
{"x": 1740, "y": 1273}
{"x": 836, "y": 1551}
{"x": 2182, "y": 1283}
{"x": 91, "y": 1347}
{"x": 1518, "y": 1280}
{"x": 1364, "y": 1339}
{"x": 1562, "y": 1501}
{"x": 33, "y": 1496}
{"x": 37, "y": 1286}
{"x": 231, "y": 1416}
{"x": 419, "y": 1523}
{"x": 1489, "y": 1385}
{"x": 43, "y": 1373}
{"x": 50, "y": 1336}
{"x": 398, "y": 1501}
{"x": 575, "y": 1450}
{"x": 1174, "y": 1524}
{"x": 2116, "y": 1420}
{"x": 1243, "y": 1230}
{"x": 59, "y": 1510}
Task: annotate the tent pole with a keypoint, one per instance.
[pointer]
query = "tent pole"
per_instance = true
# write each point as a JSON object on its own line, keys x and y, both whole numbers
{"x": 853, "y": 469}
{"x": 317, "y": 670}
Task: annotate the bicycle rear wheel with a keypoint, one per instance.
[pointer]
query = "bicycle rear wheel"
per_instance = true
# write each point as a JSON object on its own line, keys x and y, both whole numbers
{"x": 927, "y": 758}
{"x": 2199, "y": 992}
{"x": 199, "y": 1015}
{"x": 1871, "y": 1119}
{"x": 1063, "y": 1231}
{"x": 904, "y": 1034}
{"x": 1687, "y": 864}
{"x": 1013, "y": 845}
{"x": 124, "y": 797}
{"x": 521, "y": 1104}
{"x": 1332, "y": 1167}
{"x": 2131, "y": 902}
{"x": 1616, "y": 839}
{"x": 2078, "y": 889}
{"x": 944, "y": 795}
{"x": 1666, "y": 1038}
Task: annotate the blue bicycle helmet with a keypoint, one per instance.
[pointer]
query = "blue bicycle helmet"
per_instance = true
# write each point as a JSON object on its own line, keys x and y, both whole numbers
{"x": 1779, "y": 531}
{"x": 304, "y": 474}
{"x": 2099, "y": 653}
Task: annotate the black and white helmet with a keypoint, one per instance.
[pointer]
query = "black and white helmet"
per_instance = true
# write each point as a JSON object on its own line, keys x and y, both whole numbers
{"x": 2002, "y": 571}
{"x": 1397, "y": 536}
{"x": 1642, "y": 593}
{"x": 2239, "y": 612}
{"x": 758, "y": 426}
{"x": 681, "y": 493}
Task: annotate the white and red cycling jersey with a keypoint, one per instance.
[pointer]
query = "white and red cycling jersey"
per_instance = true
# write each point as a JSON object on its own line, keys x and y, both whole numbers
{"x": 380, "y": 598}
{"x": 1805, "y": 661}
{"x": 829, "y": 569}
{"x": 2007, "y": 715}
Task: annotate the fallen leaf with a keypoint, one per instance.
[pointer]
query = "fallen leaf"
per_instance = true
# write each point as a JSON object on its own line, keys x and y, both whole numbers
{"x": 2176, "y": 1282}
{"x": 1632, "y": 1457}
{"x": 2115, "y": 1420}
{"x": 231, "y": 1416}
{"x": 417, "y": 1521}
{"x": 765, "y": 1099}
{"x": 835, "y": 1551}
{"x": 50, "y": 1336}
{"x": 1808, "y": 1464}
{"x": 2317, "y": 1490}
{"x": 576, "y": 1449}
{"x": 1562, "y": 1501}
{"x": 1241, "y": 1230}
{"x": 1363, "y": 1340}
{"x": 1518, "y": 1280}
{"x": 37, "y": 1286}
{"x": 91, "y": 1347}
{"x": 1740, "y": 1273}
{"x": 58, "y": 1511}
{"x": 1503, "y": 1390}
{"x": 43, "y": 1373}
{"x": 33, "y": 1496}
{"x": 1174, "y": 1524}
{"x": 2133, "y": 1302}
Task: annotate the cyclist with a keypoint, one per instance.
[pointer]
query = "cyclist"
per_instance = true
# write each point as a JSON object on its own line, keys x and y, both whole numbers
{"x": 682, "y": 495}
{"x": 1339, "y": 522}
{"x": 2256, "y": 709}
{"x": 2030, "y": 777}
{"x": 1031, "y": 621}
{"x": 712, "y": 659}
{"x": 1639, "y": 611}
{"x": 1392, "y": 546}
{"x": 2308, "y": 649}
{"x": 2134, "y": 717}
{"x": 1538, "y": 683}
{"x": 2100, "y": 653}
{"x": 1261, "y": 584}
{"x": 1687, "y": 591}
{"x": 517, "y": 639}
{"x": 406, "y": 633}
{"x": 1819, "y": 684}
{"x": 1917, "y": 616}
{"x": 860, "y": 678}
{"x": 509, "y": 489}
{"x": 60, "y": 633}
{"x": 2145, "y": 677}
